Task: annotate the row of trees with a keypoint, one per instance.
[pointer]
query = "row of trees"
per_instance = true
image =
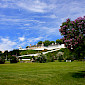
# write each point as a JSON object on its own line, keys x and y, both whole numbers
{"x": 47, "y": 42}
{"x": 12, "y": 56}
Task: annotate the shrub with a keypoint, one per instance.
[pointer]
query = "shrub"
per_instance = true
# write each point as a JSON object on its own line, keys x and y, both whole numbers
{"x": 60, "y": 56}
{"x": 2, "y": 60}
{"x": 26, "y": 57}
{"x": 13, "y": 59}
{"x": 52, "y": 59}
{"x": 41, "y": 58}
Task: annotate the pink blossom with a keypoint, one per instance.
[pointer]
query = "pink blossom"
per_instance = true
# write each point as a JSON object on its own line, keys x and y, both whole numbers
{"x": 77, "y": 39}
{"x": 70, "y": 39}
{"x": 75, "y": 36}
{"x": 63, "y": 33}
{"x": 71, "y": 43}
{"x": 72, "y": 29}
{"x": 68, "y": 32}
{"x": 74, "y": 39}
{"x": 59, "y": 30}
{"x": 63, "y": 38}
{"x": 76, "y": 42}
{"x": 68, "y": 19}
{"x": 72, "y": 22}
{"x": 79, "y": 35}
{"x": 75, "y": 21}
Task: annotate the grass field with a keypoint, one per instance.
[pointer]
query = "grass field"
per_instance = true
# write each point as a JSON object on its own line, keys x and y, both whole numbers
{"x": 53, "y": 73}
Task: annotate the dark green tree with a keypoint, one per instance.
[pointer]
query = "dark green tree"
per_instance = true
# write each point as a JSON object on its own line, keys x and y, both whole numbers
{"x": 58, "y": 41}
{"x": 40, "y": 42}
{"x": 46, "y": 42}
{"x": 52, "y": 42}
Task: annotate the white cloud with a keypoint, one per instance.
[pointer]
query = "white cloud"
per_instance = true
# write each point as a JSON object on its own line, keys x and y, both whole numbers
{"x": 21, "y": 38}
{"x": 53, "y": 16}
{"x": 33, "y": 40}
{"x": 7, "y": 44}
{"x": 30, "y": 5}
{"x": 35, "y": 6}
{"x": 8, "y": 4}
{"x": 49, "y": 31}
{"x": 26, "y": 24}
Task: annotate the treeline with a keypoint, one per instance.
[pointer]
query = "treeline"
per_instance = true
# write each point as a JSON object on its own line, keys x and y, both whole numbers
{"x": 47, "y": 42}
{"x": 9, "y": 56}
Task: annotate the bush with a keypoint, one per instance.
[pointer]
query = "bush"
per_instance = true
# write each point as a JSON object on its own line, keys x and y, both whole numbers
{"x": 60, "y": 56}
{"x": 13, "y": 59}
{"x": 52, "y": 59}
{"x": 26, "y": 57}
{"x": 2, "y": 60}
{"x": 41, "y": 58}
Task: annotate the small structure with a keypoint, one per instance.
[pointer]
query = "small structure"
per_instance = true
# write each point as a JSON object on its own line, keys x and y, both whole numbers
{"x": 20, "y": 48}
{"x": 68, "y": 60}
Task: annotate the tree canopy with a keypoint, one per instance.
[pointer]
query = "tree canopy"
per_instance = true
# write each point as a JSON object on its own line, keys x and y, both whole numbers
{"x": 73, "y": 32}
{"x": 46, "y": 42}
{"x": 74, "y": 35}
{"x": 59, "y": 41}
{"x": 52, "y": 42}
{"x": 40, "y": 42}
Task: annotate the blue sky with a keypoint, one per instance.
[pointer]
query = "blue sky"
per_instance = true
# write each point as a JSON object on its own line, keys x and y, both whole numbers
{"x": 24, "y": 22}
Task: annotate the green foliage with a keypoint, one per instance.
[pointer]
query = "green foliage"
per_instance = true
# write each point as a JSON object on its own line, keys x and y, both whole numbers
{"x": 59, "y": 41}
{"x": 26, "y": 57}
{"x": 0, "y": 52}
{"x": 15, "y": 52}
{"x": 50, "y": 57}
{"x": 46, "y": 42}
{"x": 40, "y": 42}
{"x": 52, "y": 42}
{"x": 25, "y": 52}
{"x": 33, "y": 57}
{"x": 8, "y": 57}
{"x": 60, "y": 56}
{"x": 13, "y": 59}
{"x": 41, "y": 58}
{"x": 79, "y": 52}
{"x": 74, "y": 36}
{"x": 66, "y": 55}
{"x": 2, "y": 59}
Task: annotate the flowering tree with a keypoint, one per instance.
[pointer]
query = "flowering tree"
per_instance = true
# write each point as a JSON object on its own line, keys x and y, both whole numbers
{"x": 73, "y": 32}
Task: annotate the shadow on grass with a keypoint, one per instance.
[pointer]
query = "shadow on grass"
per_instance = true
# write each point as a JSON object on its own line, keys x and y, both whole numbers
{"x": 80, "y": 74}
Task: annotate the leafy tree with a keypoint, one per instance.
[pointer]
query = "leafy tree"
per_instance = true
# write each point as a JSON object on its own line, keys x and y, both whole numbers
{"x": 40, "y": 42}
{"x": 13, "y": 59}
{"x": 60, "y": 56}
{"x": 0, "y": 52}
{"x": 2, "y": 59}
{"x": 15, "y": 52}
{"x": 74, "y": 34}
{"x": 59, "y": 41}
{"x": 46, "y": 42}
{"x": 5, "y": 54}
{"x": 41, "y": 58}
{"x": 52, "y": 42}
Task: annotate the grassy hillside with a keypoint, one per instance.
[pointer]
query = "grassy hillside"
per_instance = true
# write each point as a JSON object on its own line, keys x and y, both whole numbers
{"x": 25, "y": 52}
{"x": 53, "y": 73}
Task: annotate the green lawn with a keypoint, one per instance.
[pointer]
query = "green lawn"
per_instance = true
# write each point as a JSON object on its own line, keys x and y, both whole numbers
{"x": 25, "y": 52}
{"x": 53, "y": 73}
